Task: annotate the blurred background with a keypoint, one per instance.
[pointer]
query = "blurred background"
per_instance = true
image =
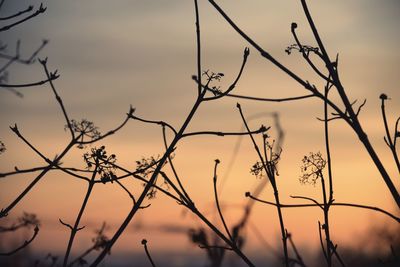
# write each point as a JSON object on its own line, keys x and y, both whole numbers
{"x": 113, "y": 54}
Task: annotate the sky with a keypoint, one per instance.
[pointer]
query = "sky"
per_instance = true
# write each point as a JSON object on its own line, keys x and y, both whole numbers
{"x": 113, "y": 54}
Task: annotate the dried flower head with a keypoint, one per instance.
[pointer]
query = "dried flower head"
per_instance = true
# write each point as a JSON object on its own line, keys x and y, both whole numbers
{"x": 85, "y": 129}
{"x": 271, "y": 162}
{"x": 146, "y": 167}
{"x": 312, "y": 167}
{"x": 304, "y": 48}
{"x": 212, "y": 76}
{"x": 257, "y": 169}
{"x": 103, "y": 164}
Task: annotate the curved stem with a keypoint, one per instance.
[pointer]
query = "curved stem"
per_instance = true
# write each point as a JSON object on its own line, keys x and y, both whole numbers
{"x": 320, "y": 205}
{"x": 217, "y": 201}
{"x": 25, "y": 244}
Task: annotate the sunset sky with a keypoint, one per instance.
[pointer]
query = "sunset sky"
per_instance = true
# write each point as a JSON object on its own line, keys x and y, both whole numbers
{"x": 113, "y": 54}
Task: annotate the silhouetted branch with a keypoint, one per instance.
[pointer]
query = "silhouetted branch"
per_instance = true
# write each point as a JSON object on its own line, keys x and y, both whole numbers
{"x": 391, "y": 142}
{"x": 233, "y": 85}
{"x": 126, "y": 190}
{"x": 305, "y": 52}
{"x": 185, "y": 197}
{"x": 162, "y": 123}
{"x": 111, "y": 132}
{"x": 261, "y": 130}
{"x": 96, "y": 155}
{"x": 351, "y": 119}
{"x": 144, "y": 243}
{"x": 320, "y": 205}
{"x": 25, "y": 244}
{"x": 53, "y": 77}
{"x": 40, "y": 10}
{"x": 324, "y": 252}
{"x": 217, "y": 201}
{"x": 299, "y": 260}
{"x": 271, "y": 99}
{"x": 99, "y": 241}
{"x": 53, "y": 163}
{"x": 270, "y": 169}
{"x": 19, "y": 13}
{"x": 17, "y": 56}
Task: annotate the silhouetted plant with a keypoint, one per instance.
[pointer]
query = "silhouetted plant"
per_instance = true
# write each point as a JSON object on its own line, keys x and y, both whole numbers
{"x": 312, "y": 168}
{"x": 349, "y": 113}
{"x": 85, "y": 129}
{"x": 216, "y": 240}
{"x": 8, "y": 22}
{"x": 99, "y": 242}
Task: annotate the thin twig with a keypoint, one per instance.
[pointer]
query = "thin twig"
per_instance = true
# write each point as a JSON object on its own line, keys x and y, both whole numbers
{"x": 261, "y": 130}
{"x": 25, "y": 244}
{"x": 270, "y": 171}
{"x": 390, "y": 142}
{"x": 185, "y": 197}
{"x": 217, "y": 201}
{"x": 40, "y": 10}
{"x": 144, "y": 243}
{"x": 233, "y": 85}
{"x": 76, "y": 228}
{"x": 19, "y": 13}
{"x": 30, "y": 84}
{"x": 320, "y": 205}
{"x": 58, "y": 98}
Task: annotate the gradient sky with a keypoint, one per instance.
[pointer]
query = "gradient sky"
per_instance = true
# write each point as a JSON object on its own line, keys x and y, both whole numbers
{"x": 111, "y": 54}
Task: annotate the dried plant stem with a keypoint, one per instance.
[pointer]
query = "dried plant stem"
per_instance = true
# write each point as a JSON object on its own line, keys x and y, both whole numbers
{"x": 217, "y": 202}
{"x": 52, "y": 164}
{"x": 151, "y": 182}
{"x": 325, "y": 198}
{"x": 29, "y": 84}
{"x": 355, "y": 124}
{"x": 19, "y": 13}
{"x": 144, "y": 243}
{"x": 320, "y": 205}
{"x": 299, "y": 260}
{"x": 40, "y": 10}
{"x": 58, "y": 98}
{"x": 25, "y": 244}
{"x": 270, "y": 171}
{"x": 223, "y": 237}
{"x": 388, "y": 139}
{"x": 76, "y": 227}
{"x": 326, "y": 224}
{"x": 185, "y": 197}
{"x": 198, "y": 43}
{"x": 351, "y": 118}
